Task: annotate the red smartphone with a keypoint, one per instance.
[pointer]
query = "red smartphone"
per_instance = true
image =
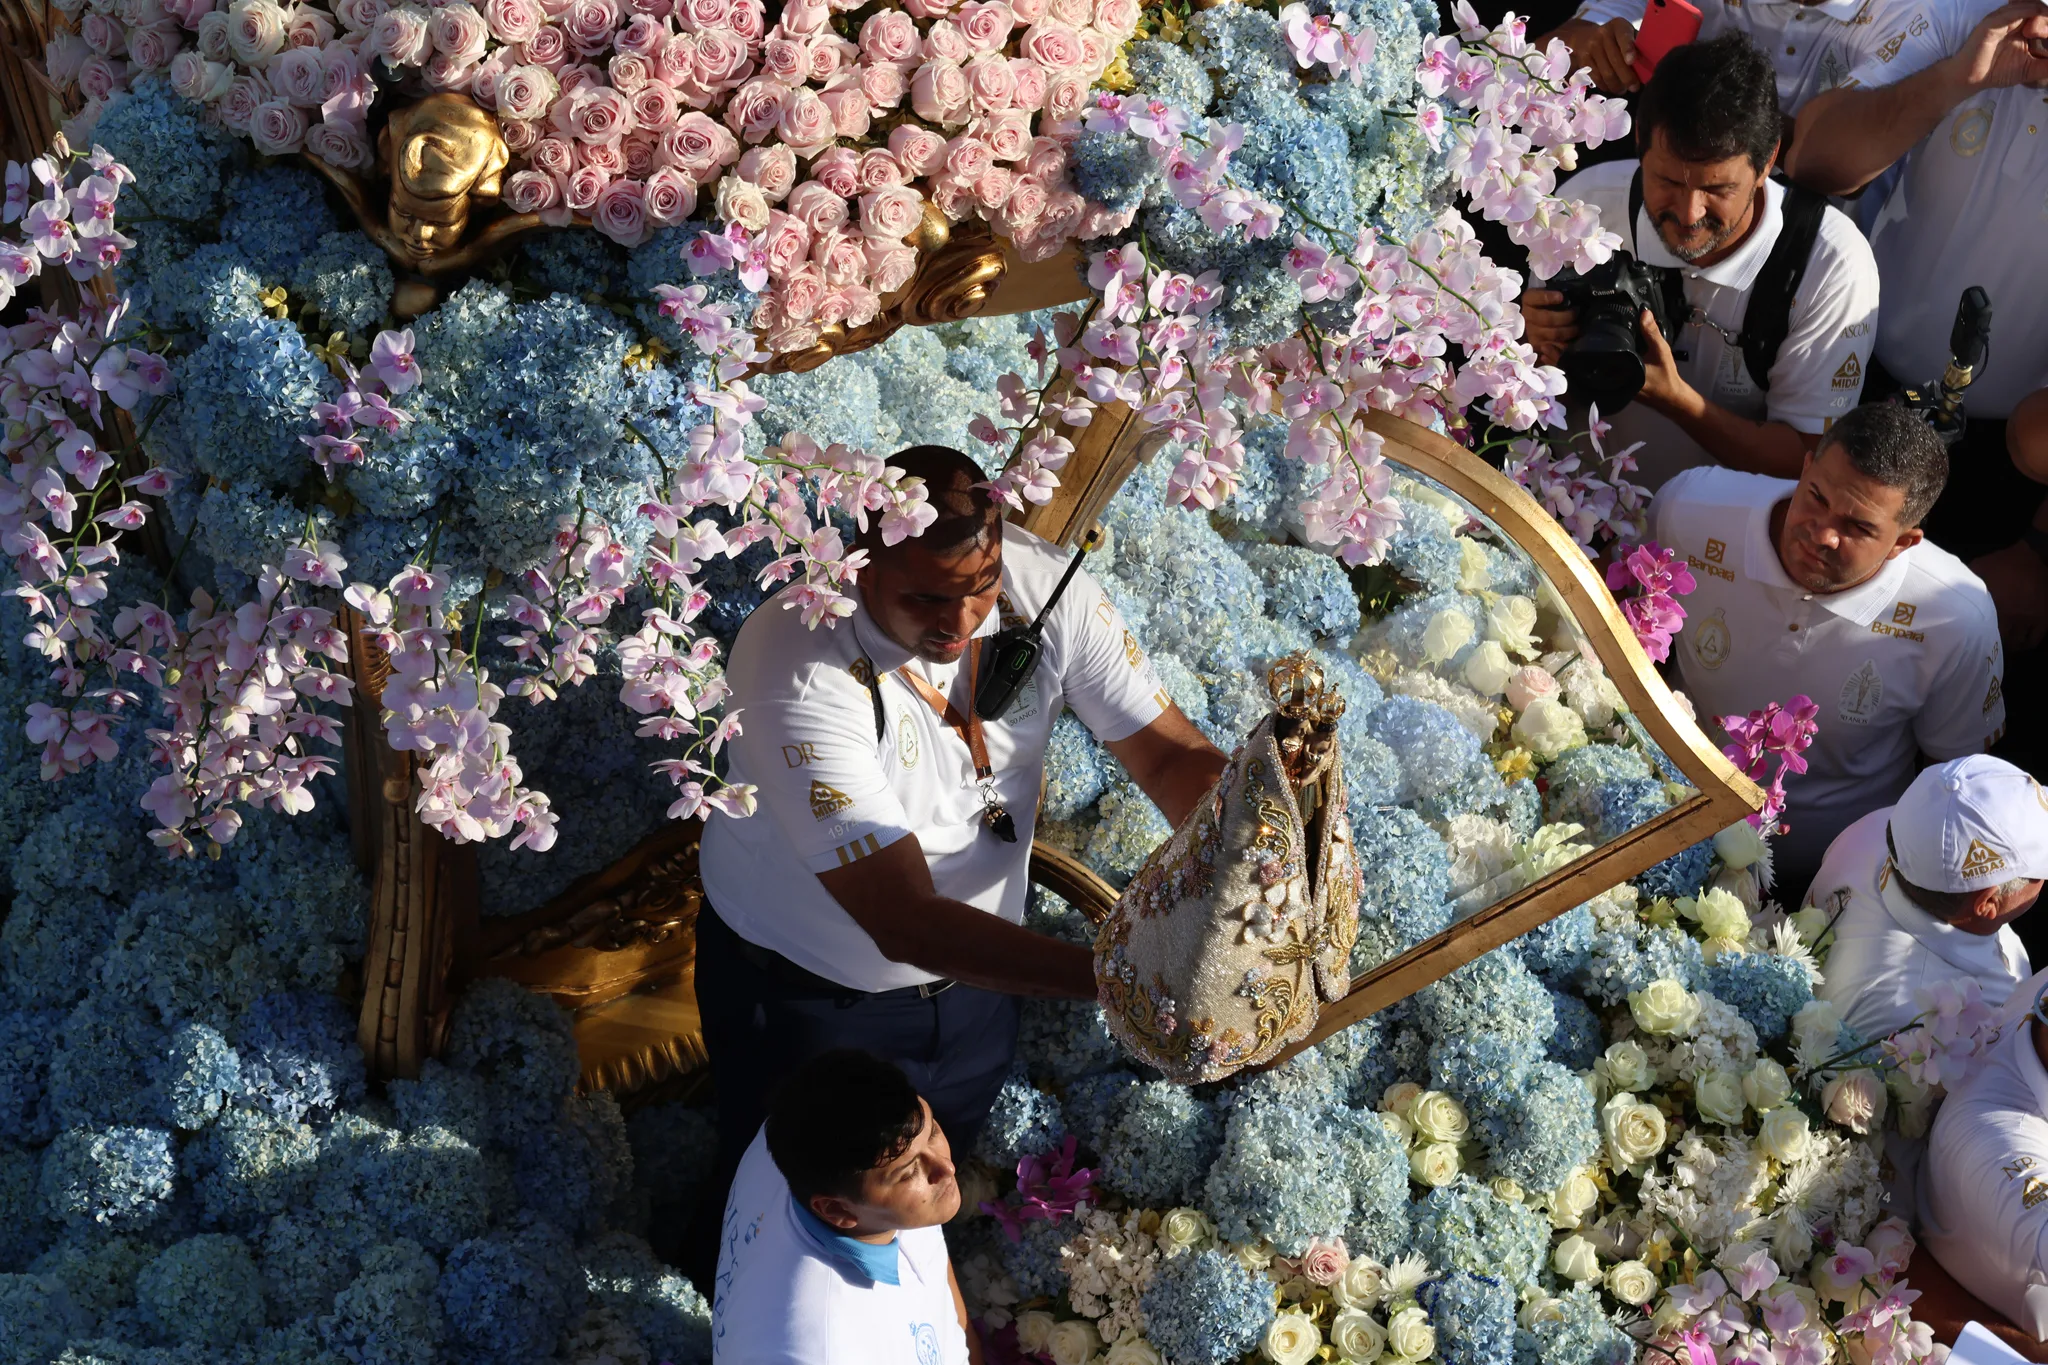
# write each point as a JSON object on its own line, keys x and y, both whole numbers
{"x": 1666, "y": 24}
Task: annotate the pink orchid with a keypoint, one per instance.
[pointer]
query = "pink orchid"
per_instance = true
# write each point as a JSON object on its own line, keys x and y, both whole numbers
{"x": 392, "y": 362}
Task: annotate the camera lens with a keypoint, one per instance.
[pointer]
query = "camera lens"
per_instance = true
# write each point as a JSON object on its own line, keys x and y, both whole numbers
{"x": 1603, "y": 369}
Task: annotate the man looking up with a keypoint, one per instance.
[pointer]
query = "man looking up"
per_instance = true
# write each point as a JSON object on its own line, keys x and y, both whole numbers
{"x": 831, "y": 1248}
{"x": 1826, "y": 587}
{"x": 874, "y": 901}
{"x": 1701, "y": 206}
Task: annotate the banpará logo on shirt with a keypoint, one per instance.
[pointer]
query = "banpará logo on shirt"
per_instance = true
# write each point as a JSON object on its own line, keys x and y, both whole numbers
{"x": 1903, "y": 613}
{"x": 1897, "y": 632}
{"x": 1862, "y": 695}
{"x": 2033, "y": 1192}
{"x": 863, "y": 672}
{"x": 827, "y": 801}
{"x": 1710, "y": 640}
{"x": 1695, "y": 562}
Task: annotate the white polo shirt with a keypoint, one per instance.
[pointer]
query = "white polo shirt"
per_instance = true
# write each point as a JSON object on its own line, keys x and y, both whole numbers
{"x": 1818, "y": 373}
{"x": 1970, "y": 207}
{"x": 1984, "y": 1187}
{"x": 1812, "y": 47}
{"x": 830, "y": 794}
{"x": 1905, "y": 663}
{"x": 791, "y": 1291}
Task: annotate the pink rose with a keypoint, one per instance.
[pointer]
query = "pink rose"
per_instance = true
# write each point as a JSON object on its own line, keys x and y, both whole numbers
{"x": 531, "y": 191}
{"x": 882, "y": 85}
{"x": 838, "y": 170}
{"x": 195, "y": 78}
{"x": 585, "y": 184}
{"x": 829, "y": 56}
{"x": 986, "y": 24}
{"x": 525, "y": 92}
{"x": 816, "y": 207}
{"x": 889, "y": 267}
{"x": 992, "y": 187}
{"x": 1117, "y": 18}
{"x": 213, "y": 37}
{"x": 547, "y": 47}
{"x": 773, "y": 169}
{"x": 831, "y": 309}
{"x": 1053, "y": 45}
{"x": 399, "y": 36}
{"x": 939, "y": 92}
{"x": 879, "y": 168}
{"x": 697, "y": 146}
{"x": 919, "y": 151}
{"x": 653, "y": 9}
{"x": 237, "y": 108}
{"x": 299, "y": 76}
{"x": 588, "y": 25}
{"x": 556, "y": 156}
{"x": 443, "y": 72}
{"x": 357, "y": 16}
{"x": 187, "y": 12}
{"x": 954, "y": 199}
{"x": 841, "y": 257}
{"x": 1027, "y": 201}
{"x": 459, "y": 31}
{"x": 721, "y": 60}
{"x": 1066, "y": 94}
{"x": 746, "y": 19}
{"x": 1072, "y": 13}
{"x": 787, "y": 242}
{"x": 785, "y": 58}
{"x": 154, "y": 48}
{"x": 339, "y": 144}
{"x": 638, "y": 152}
{"x": 576, "y": 75}
{"x": 805, "y": 17}
{"x": 255, "y": 31}
{"x": 801, "y": 292}
{"x": 1527, "y": 684}
{"x": 943, "y": 43}
{"x": 1007, "y": 135}
{"x": 512, "y": 21}
{"x": 967, "y": 157}
{"x": 1063, "y": 209}
{"x": 891, "y": 213}
{"x": 741, "y": 201}
{"x": 1324, "y": 1263}
{"x": 103, "y": 33}
{"x": 787, "y": 336}
{"x": 1028, "y": 11}
{"x": 889, "y": 36}
{"x": 66, "y": 52}
{"x": 1046, "y": 161}
{"x": 519, "y": 135}
{"x": 485, "y": 76}
{"x": 628, "y": 72}
{"x": 990, "y": 84}
{"x": 593, "y": 113}
{"x": 277, "y": 128}
{"x": 671, "y": 196}
{"x": 860, "y": 302}
{"x": 755, "y": 108}
{"x": 806, "y": 122}
{"x": 698, "y": 15}
{"x": 642, "y": 36}
{"x": 609, "y": 157}
{"x": 308, "y": 27}
{"x": 1095, "y": 51}
{"x": 654, "y": 107}
{"x": 849, "y": 111}
{"x": 621, "y": 212}
{"x": 929, "y": 9}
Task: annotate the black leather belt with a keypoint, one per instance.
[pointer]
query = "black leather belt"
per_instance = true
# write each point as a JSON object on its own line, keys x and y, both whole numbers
{"x": 785, "y": 972}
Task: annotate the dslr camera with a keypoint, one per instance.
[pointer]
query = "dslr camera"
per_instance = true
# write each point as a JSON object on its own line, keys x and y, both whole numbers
{"x": 1605, "y": 364}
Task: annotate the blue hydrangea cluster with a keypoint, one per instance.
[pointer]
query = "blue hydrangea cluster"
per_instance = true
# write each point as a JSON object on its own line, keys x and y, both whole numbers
{"x": 1270, "y": 1181}
{"x": 1024, "y": 1121}
{"x": 1406, "y": 871}
{"x": 1626, "y": 960}
{"x": 1206, "y": 1308}
{"x": 1581, "y": 1334}
{"x": 1474, "y": 1318}
{"x": 1161, "y": 1143}
{"x": 1466, "y": 1226}
{"x": 1764, "y": 988}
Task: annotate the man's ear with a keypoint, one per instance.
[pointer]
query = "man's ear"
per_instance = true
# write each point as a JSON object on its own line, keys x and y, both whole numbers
{"x": 834, "y": 1212}
{"x": 1777, "y": 150}
{"x": 1908, "y": 538}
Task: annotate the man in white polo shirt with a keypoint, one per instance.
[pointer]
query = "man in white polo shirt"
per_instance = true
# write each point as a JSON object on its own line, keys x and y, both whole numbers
{"x": 1701, "y": 206}
{"x": 1825, "y": 587}
{"x": 875, "y": 900}
{"x": 1984, "y": 1185}
{"x": 1924, "y": 892}
{"x": 831, "y": 1248}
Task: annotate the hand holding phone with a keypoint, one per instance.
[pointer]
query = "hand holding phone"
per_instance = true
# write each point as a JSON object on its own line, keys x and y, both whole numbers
{"x": 1666, "y": 24}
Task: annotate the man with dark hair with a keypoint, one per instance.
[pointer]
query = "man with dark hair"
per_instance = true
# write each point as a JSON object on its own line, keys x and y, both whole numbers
{"x": 877, "y": 898}
{"x": 1826, "y": 587}
{"x": 830, "y": 1249}
{"x": 1741, "y": 263}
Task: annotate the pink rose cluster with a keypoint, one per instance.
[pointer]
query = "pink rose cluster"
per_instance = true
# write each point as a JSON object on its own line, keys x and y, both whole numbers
{"x": 633, "y": 115}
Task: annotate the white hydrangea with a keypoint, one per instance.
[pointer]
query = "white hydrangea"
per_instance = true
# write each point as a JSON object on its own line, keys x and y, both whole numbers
{"x": 1108, "y": 1266}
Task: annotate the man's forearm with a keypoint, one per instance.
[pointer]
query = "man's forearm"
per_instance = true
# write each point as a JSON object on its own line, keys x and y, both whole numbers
{"x": 1845, "y": 138}
{"x": 1771, "y": 448}
{"x": 1181, "y": 787}
{"x": 951, "y": 938}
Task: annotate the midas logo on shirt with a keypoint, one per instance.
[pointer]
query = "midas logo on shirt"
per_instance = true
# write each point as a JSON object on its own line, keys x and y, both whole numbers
{"x": 1850, "y": 373}
{"x": 826, "y": 800}
{"x": 2033, "y": 1192}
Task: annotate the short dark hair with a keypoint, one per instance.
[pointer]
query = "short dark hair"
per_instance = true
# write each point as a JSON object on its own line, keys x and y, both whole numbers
{"x": 968, "y": 517}
{"x": 1897, "y": 448}
{"x": 1713, "y": 100}
{"x": 838, "y": 1116}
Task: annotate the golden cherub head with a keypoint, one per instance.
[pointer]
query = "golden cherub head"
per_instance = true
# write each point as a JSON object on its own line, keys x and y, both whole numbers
{"x": 442, "y": 154}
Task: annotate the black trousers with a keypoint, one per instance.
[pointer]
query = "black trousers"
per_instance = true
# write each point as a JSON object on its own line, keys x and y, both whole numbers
{"x": 762, "y": 1022}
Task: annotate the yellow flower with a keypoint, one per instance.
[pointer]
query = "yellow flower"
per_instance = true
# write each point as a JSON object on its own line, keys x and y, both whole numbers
{"x": 1515, "y": 764}
{"x": 273, "y": 301}
{"x": 1118, "y": 77}
{"x": 646, "y": 355}
{"x": 332, "y": 351}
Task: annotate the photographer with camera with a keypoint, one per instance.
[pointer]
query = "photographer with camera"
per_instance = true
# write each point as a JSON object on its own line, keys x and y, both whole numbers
{"x": 1735, "y": 323}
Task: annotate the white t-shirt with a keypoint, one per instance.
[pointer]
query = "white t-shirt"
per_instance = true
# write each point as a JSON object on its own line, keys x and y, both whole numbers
{"x": 1984, "y": 1186}
{"x": 1887, "y": 948}
{"x": 1970, "y": 207}
{"x": 1906, "y": 662}
{"x": 831, "y": 795}
{"x": 1812, "y": 47}
{"x": 791, "y": 1291}
{"x": 1818, "y": 373}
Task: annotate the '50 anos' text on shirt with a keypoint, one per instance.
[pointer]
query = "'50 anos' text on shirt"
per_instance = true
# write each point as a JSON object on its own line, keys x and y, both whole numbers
{"x": 831, "y": 794}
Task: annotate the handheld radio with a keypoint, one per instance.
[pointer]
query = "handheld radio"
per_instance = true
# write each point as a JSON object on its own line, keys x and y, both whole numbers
{"x": 1012, "y": 655}
{"x": 1969, "y": 345}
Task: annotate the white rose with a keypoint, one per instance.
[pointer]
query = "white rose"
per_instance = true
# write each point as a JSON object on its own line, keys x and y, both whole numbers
{"x": 1816, "y": 1027}
{"x": 1256, "y": 1257}
{"x": 1400, "y": 1128}
{"x": 1573, "y": 1199}
{"x": 1511, "y": 621}
{"x": 1632, "y": 1282}
{"x": 1625, "y": 1066}
{"x": 1856, "y": 1100}
{"x": 1435, "y": 1164}
{"x": 1184, "y": 1230}
{"x": 1540, "y": 1307}
{"x": 1074, "y": 1341}
{"x": 1766, "y": 1085}
{"x": 1576, "y": 1259}
{"x": 1291, "y": 1339}
{"x": 1410, "y": 1336}
{"x": 1792, "y": 1240}
{"x": 1549, "y": 728}
{"x": 1438, "y": 1117}
{"x": 1488, "y": 669}
{"x": 1475, "y": 572}
{"x": 1361, "y": 1284}
{"x": 1722, "y": 916}
{"x": 1447, "y": 633}
{"x": 1399, "y": 1096}
{"x": 1634, "y": 1131}
{"x": 1718, "y": 1097}
{"x": 1133, "y": 1351}
{"x": 1812, "y": 923}
{"x": 1739, "y": 845}
{"x": 1589, "y": 692}
{"x": 1509, "y": 1190}
{"x": 1034, "y": 1330}
{"x": 1358, "y": 1337}
{"x": 1784, "y": 1134}
{"x": 1664, "y": 1007}
{"x": 741, "y": 201}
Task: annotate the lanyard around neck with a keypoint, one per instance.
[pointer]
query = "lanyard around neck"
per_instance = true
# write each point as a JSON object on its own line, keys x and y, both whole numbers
{"x": 967, "y": 726}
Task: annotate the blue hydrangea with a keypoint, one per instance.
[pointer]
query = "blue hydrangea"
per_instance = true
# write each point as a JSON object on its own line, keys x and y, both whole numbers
{"x": 1482, "y": 1071}
{"x": 428, "y": 1186}
{"x": 1271, "y": 1181}
{"x": 579, "y": 263}
{"x": 1764, "y": 988}
{"x": 1358, "y": 1060}
{"x": 1523, "y": 808}
{"x": 1074, "y": 775}
{"x": 196, "y": 1074}
{"x": 1165, "y": 71}
{"x": 1621, "y": 961}
{"x": 25, "y": 1226}
{"x": 1435, "y": 750}
{"x": 36, "y": 1318}
{"x": 1306, "y": 588}
{"x": 1423, "y": 551}
{"x": 1308, "y": 1081}
{"x": 1160, "y": 1146}
{"x": 114, "y": 1177}
{"x": 1206, "y": 1308}
{"x": 307, "y": 1258}
{"x": 1048, "y": 913}
{"x": 101, "y": 1070}
{"x": 1474, "y": 1318}
{"x": 828, "y": 404}
{"x": 442, "y": 1097}
{"x": 175, "y": 151}
{"x": 660, "y": 1306}
{"x": 26, "y": 1037}
{"x": 1033, "y": 1260}
{"x": 1369, "y": 1161}
{"x": 1466, "y": 1226}
{"x": 275, "y": 215}
{"x": 98, "y": 1270}
{"x": 244, "y": 397}
{"x": 203, "y": 1291}
{"x": 388, "y": 1315}
{"x": 249, "y": 1167}
{"x": 1579, "y": 1039}
{"x": 1130, "y": 828}
{"x": 1092, "y": 1103}
{"x": 1061, "y": 1040}
{"x": 1680, "y": 875}
{"x": 1406, "y": 873}
{"x": 574, "y": 1170}
{"x": 519, "y": 1043}
{"x": 1556, "y": 949}
{"x": 299, "y": 1055}
{"x": 1582, "y": 1334}
{"x": 507, "y": 1296}
{"x": 1024, "y": 1121}
{"x": 1537, "y": 1135}
{"x": 348, "y": 278}
{"x": 1494, "y": 994}
{"x": 1116, "y": 170}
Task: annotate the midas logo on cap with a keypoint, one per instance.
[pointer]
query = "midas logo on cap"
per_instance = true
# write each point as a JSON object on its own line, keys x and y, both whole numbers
{"x": 1981, "y": 858}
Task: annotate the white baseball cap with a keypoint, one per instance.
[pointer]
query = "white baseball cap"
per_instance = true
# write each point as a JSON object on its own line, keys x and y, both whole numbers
{"x": 1969, "y": 824}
